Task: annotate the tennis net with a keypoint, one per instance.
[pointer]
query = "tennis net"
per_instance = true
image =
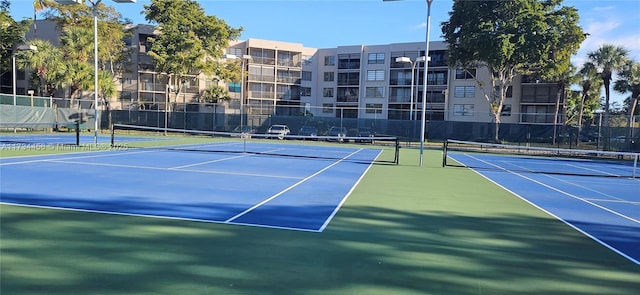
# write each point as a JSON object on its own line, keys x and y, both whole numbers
{"x": 39, "y": 133}
{"x": 527, "y": 159}
{"x": 371, "y": 149}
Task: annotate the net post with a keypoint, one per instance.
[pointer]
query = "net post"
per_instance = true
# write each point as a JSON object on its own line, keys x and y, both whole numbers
{"x": 635, "y": 165}
{"x": 445, "y": 145}
{"x": 78, "y": 131}
{"x": 397, "y": 155}
{"x": 113, "y": 132}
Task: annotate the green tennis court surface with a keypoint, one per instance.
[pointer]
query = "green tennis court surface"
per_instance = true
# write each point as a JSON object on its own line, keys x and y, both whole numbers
{"x": 404, "y": 230}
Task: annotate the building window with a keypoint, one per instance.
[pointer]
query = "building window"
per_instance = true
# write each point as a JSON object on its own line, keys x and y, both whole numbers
{"x": 463, "y": 110}
{"x": 464, "y": 91}
{"x": 234, "y": 86}
{"x": 465, "y": 74}
{"x": 437, "y": 78}
{"x": 373, "y": 108}
{"x": 374, "y": 92}
{"x": 236, "y": 51}
{"x": 349, "y": 61}
{"x": 375, "y": 75}
{"x": 327, "y": 92}
{"x": 125, "y": 95}
{"x": 347, "y": 94}
{"x": 329, "y": 76}
{"x": 307, "y": 60}
{"x": 330, "y": 60}
{"x": 306, "y": 76}
{"x": 506, "y": 110}
{"x": 376, "y": 58}
{"x": 496, "y": 93}
{"x": 347, "y": 113}
{"x": 305, "y": 91}
{"x": 327, "y": 108}
{"x": 348, "y": 79}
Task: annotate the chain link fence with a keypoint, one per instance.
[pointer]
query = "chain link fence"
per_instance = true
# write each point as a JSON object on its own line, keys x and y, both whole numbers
{"x": 595, "y": 133}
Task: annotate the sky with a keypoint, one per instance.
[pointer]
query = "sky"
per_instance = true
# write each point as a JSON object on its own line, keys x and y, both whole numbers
{"x": 333, "y": 23}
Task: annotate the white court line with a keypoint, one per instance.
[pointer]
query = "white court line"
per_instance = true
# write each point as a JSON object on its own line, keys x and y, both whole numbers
{"x": 557, "y": 190}
{"x": 220, "y": 160}
{"x": 551, "y": 214}
{"x": 150, "y": 216}
{"x": 613, "y": 201}
{"x": 288, "y": 188}
{"x": 172, "y": 169}
{"x": 572, "y": 183}
{"x": 556, "y": 164}
{"x": 69, "y": 158}
{"x": 335, "y": 210}
{"x": 206, "y": 162}
{"x": 594, "y": 170}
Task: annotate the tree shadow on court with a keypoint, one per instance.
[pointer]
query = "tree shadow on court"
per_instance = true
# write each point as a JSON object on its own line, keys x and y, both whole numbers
{"x": 366, "y": 249}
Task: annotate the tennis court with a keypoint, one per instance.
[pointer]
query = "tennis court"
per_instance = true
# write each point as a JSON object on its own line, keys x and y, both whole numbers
{"x": 237, "y": 188}
{"x": 605, "y": 206}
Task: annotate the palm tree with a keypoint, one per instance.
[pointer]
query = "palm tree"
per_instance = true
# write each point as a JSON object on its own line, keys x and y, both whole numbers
{"x": 78, "y": 77}
{"x": 38, "y": 5}
{"x": 107, "y": 86}
{"x": 590, "y": 84}
{"x": 215, "y": 94}
{"x": 565, "y": 77}
{"x": 77, "y": 48}
{"x": 47, "y": 63}
{"x": 77, "y": 43}
{"x": 608, "y": 59}
{"x": 629, "y": 81}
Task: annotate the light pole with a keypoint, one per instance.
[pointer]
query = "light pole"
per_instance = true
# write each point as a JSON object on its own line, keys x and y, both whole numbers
{"x": 166, "y": 106}
{"x": 13, "y": 59}
{"x": 94, "y": 5}
{"x": 405, "y": 59}
{"x": 244, "y": 59}
{"x": 423, "y": 122}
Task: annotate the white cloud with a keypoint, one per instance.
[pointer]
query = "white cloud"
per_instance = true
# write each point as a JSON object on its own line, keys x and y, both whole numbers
{"x": 601, "y": 27}
{"x": 603, "y": 8}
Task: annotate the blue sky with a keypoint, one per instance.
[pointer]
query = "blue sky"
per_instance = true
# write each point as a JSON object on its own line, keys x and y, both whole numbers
{"x": 332, "y": 23}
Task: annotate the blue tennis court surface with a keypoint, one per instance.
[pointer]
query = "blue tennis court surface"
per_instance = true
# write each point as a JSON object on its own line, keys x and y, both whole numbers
{"x": 68, "y": 138}
{"x": 604, "y": 208}
{"x": 234, "y": 188}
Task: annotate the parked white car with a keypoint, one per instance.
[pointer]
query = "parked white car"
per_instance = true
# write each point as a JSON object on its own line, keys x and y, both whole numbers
{"x": 278, "y": 131}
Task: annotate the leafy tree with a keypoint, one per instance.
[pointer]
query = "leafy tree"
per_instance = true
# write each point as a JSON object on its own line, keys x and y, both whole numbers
{"x": 11, "y": 34}
{"x": 509, "y": 38}
{"x": 76, "y": 22}
{"x": 608, "y": 59}
{"x": 564, "y": 37}
{"x": 188, "y": 45}
{"x": 629, "y": 82}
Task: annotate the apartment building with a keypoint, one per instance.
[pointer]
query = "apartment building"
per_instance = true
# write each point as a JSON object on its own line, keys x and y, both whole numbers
{"x": 354, "y": 81}
{"x": 351, "y": 81}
